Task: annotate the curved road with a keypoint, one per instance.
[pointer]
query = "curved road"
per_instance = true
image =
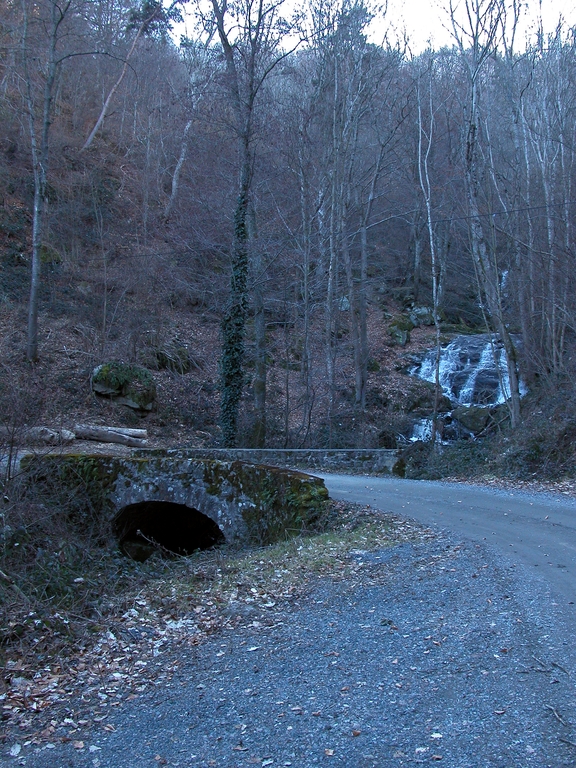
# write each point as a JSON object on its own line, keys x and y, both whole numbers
{"x": 536, "y": 531}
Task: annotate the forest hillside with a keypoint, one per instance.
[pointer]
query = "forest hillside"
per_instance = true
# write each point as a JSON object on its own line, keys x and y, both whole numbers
{"x": 275, "y": 218}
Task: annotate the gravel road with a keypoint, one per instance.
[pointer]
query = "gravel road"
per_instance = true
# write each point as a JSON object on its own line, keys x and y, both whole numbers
{"x": 536, "y": 530}
{"x": 443, "y": 650}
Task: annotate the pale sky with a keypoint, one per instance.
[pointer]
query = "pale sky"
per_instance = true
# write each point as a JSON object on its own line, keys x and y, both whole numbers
{"x": 426, "y": 20}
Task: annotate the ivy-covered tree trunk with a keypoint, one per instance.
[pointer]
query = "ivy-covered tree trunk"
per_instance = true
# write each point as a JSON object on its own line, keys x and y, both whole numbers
{"x": 233, "y": 325}
{"x": 251, "y": 36}
{"x": 258, "y": 437}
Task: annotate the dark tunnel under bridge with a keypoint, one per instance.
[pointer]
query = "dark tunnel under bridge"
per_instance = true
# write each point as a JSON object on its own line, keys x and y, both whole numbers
{"x": 164, "y": 526}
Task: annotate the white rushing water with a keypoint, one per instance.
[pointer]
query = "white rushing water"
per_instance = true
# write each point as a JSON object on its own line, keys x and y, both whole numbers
{"x": 422, "y": 431}
{"x": 473, "y": 370}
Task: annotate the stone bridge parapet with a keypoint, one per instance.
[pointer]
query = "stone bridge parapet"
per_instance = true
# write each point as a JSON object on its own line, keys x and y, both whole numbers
{"x": 248, "y": 502}
{"x": 374, "y": 461}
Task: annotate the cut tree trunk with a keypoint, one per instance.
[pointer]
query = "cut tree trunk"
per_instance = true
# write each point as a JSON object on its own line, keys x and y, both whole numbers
{"x": 136, "y": 438}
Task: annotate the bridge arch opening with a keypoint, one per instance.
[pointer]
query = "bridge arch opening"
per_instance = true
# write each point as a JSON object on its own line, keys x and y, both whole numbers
{"x": 152, "y": 526}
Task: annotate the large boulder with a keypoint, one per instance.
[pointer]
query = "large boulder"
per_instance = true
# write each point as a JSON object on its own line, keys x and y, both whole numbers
{"x": 128, "y": 385}
{"x": 399, "y": 330}
{"x": 474, "y": 418}
{"x": 419, "y": 399}
{"x": 421, "y": 316}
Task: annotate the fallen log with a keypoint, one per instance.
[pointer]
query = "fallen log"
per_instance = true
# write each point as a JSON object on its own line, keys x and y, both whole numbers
{"x": 44, "y": 435}
{"x": 111, "y": 435}
{"x": 128, "y": 431}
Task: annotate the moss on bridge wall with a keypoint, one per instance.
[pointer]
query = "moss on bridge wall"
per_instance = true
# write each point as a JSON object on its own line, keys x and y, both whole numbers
{"x": 248, "y": 502}
{"x": 283, "y": 501}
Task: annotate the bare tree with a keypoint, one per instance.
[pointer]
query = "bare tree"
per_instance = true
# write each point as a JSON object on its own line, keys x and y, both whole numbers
{"x": 251, "y": 35}
{"x": 425, "y": 144}
{"x": 348, "y": 86}
{"x": 477, "y": 36}
{"x": 43, "y": 40}
{"x": 150, "y": 18}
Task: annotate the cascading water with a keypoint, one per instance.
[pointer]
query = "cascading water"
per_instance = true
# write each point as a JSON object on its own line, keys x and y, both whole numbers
{"x": 472, "y": 370}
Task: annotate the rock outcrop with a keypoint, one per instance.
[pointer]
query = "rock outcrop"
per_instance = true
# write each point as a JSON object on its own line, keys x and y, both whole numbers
{"x": 129, "y": 385}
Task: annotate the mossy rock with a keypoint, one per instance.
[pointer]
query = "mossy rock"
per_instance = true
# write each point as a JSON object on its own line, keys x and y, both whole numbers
{"x": 420, "y": 399}
{"x": 128, "y": 385}
{"x": 403, "y": 323}
{"x": 421, "y": 316}
{"x": 49, "y": 255}
{"x": 481, "y": 420}
{"x": 399, "y": 330}
{"x": 473, "y": 418}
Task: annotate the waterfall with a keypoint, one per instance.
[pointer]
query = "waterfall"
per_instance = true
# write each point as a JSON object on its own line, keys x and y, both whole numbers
{"x": 473, "y": 370}
{"x": 422, "y": 430}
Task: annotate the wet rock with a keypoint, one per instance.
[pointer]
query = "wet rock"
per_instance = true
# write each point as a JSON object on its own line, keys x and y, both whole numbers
{"x": 473, "y": 370}
{"x": 408, "y": 363}
{"x": 420, "y": 400}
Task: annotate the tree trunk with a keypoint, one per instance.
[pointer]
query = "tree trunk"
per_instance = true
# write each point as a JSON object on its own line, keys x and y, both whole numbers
{"x": 260, "y": 367}
{"x": 40, "y": 158}
{"x": 485, "y": 270}
{"x": 108, "y": 435}
{"x": 177, "y": 171}
{"x": 106, "y": 105}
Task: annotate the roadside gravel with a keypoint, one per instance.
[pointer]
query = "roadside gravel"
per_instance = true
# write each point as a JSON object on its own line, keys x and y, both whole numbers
{"x": 430, "y": 651}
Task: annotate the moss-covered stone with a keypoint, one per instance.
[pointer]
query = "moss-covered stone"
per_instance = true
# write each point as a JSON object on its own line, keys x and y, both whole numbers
{"x": 419, "y": 399}
{"x": 129, "y": 385}
{"x": 49, "y": 255}
{"x": 399, "y": 330}
{"x": 248, "y": 502}
{"x": 421, "y": 316}
{"x": 473, "y": 418}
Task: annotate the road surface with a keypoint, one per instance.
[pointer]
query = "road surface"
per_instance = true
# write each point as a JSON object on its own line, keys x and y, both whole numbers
{"x": 428, "y": 651}
{"x": 535, "y": 531}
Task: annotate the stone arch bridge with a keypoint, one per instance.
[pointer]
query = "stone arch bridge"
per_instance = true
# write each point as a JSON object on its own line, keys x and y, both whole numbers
{"x": 179, "y": 502}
